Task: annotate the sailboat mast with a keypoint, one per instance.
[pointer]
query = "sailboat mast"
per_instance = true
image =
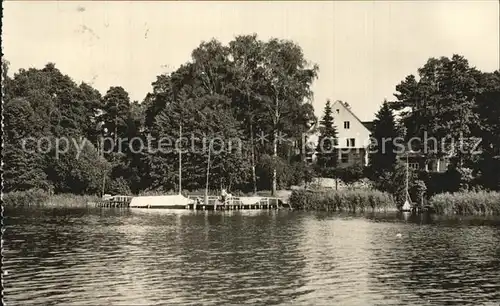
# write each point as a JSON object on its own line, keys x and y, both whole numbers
{"x": 208, "y": 172}
{"x": 407, "y": 177}
{"x": 180, "y": 159}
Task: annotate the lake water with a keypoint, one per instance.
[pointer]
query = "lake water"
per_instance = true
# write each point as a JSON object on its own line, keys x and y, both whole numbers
{"x": 164, "y": 257}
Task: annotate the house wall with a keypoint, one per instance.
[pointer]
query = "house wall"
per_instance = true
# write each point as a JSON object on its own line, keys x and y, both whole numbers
{"x": 354, "y": 157}
{"x": 418, "y": 163}
{"x": 438, "y": 165}
{"x": 355, "y": 129}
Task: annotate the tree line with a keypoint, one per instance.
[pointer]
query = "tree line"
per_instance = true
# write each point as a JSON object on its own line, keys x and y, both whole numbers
{"x": 458, "y": 107}
{"x": 449, "y": 110}
{"x": 241, "y": 90}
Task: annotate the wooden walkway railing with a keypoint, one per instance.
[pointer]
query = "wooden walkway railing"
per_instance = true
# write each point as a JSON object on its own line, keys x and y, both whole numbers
{"x": 235, "y": 203}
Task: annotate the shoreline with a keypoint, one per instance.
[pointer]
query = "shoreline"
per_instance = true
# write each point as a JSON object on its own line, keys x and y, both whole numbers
{"x": 350, "y": 201}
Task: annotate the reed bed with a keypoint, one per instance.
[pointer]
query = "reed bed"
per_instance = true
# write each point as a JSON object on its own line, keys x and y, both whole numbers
{"x": 342, "y": 200}
{"x": 42, "y": 198}
{"x": 467, "y": 203}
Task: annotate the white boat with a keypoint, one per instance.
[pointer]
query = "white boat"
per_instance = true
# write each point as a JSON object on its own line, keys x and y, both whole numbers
{"x": 406, "y": 206}
{"x": 163, "y": 201}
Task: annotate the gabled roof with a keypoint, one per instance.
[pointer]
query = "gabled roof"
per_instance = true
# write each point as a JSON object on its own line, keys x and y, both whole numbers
{"x": 350, "y": 111}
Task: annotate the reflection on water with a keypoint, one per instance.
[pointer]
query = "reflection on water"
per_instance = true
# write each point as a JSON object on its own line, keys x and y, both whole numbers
{"x": 165, "y": 257}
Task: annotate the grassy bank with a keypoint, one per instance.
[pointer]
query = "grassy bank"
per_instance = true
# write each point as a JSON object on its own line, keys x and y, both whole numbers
{"x": 42, "y": 198}
{"x": 342, "y": 200}
{"x": 467, "y": 203}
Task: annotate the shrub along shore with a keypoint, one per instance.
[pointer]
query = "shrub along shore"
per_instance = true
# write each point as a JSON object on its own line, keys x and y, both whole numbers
{"x": 467, "y": 203}
{"x": 357, "y": 200}
{"x": 36, "y": 197}
{"x": 342, "y": 200}
{"x": 458, "y": 203}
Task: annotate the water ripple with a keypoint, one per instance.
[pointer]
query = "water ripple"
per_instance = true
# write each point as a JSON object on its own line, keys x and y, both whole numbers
{"x": 161, "y": 257}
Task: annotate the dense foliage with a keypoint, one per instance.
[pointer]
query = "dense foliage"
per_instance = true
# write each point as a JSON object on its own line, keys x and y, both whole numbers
{"x": 225, "y": 97}
{"x": 459, "y": 106}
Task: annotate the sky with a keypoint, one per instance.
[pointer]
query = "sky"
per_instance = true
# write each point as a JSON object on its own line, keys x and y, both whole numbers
{"x": 363, "y": 49}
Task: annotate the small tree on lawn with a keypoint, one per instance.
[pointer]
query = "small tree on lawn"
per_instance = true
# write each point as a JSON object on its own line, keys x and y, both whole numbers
{"x": 326, "y": 151}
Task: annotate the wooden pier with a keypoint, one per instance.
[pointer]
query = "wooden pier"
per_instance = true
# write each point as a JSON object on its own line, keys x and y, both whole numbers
{"x": 115, "y": 201}
{"x": 236, "y": 203}
{"x": 213, "y": 203}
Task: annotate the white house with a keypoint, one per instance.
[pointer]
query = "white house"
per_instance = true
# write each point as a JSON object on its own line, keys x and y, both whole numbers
{"x": 354, "y": 139}
{"x": 353, "y": 136}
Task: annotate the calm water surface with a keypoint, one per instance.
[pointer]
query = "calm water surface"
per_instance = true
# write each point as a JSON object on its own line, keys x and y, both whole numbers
{"x": 163, "y": 257}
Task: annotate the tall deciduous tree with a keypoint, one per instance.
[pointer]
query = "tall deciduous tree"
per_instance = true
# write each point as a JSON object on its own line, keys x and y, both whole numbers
{"x": 286, "y": 80}
{"x": 246, "y": 53}
{"x": 23, "y": 166}
{"x": 51, "y": 106}
{"x": 243, "y": 74}
{"x": 440, "y": 104}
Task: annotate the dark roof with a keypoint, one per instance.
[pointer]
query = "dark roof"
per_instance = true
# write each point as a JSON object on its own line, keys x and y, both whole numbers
{"x": 368, "y": 125}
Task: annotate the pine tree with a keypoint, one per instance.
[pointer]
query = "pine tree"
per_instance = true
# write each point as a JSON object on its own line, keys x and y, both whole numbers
{"x": 383, "y": 151}
{"x": 326, "y": 151}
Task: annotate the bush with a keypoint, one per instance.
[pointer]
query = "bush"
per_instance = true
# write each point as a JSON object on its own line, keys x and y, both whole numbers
{"x": 467, "y": 203}
{"x": 25, "y": 198}
{"x": 37, "y": 197}
{"x": 351, "y": 174}
{"x": 118, "y": 186}
{"x": 345, "y": 200}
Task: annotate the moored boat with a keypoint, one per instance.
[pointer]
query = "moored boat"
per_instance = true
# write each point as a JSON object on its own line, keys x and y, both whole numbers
{"x": 161, "y": 201}
{"x": 406, "y": 206}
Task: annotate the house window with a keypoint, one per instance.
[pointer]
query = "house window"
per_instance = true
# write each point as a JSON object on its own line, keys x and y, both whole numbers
{"x": 413, "y": 166}
{"x": 344, "y": 158}
{"x": 351, "y": 142}
{"x": 346, "y": 125}
{"x": 338, "y": 111}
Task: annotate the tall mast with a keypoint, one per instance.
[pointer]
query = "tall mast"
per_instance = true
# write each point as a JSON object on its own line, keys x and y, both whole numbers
{"x": 208, "y": 175}
{"x": 180, "y": 158}
{"x": 407, "y": 177}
